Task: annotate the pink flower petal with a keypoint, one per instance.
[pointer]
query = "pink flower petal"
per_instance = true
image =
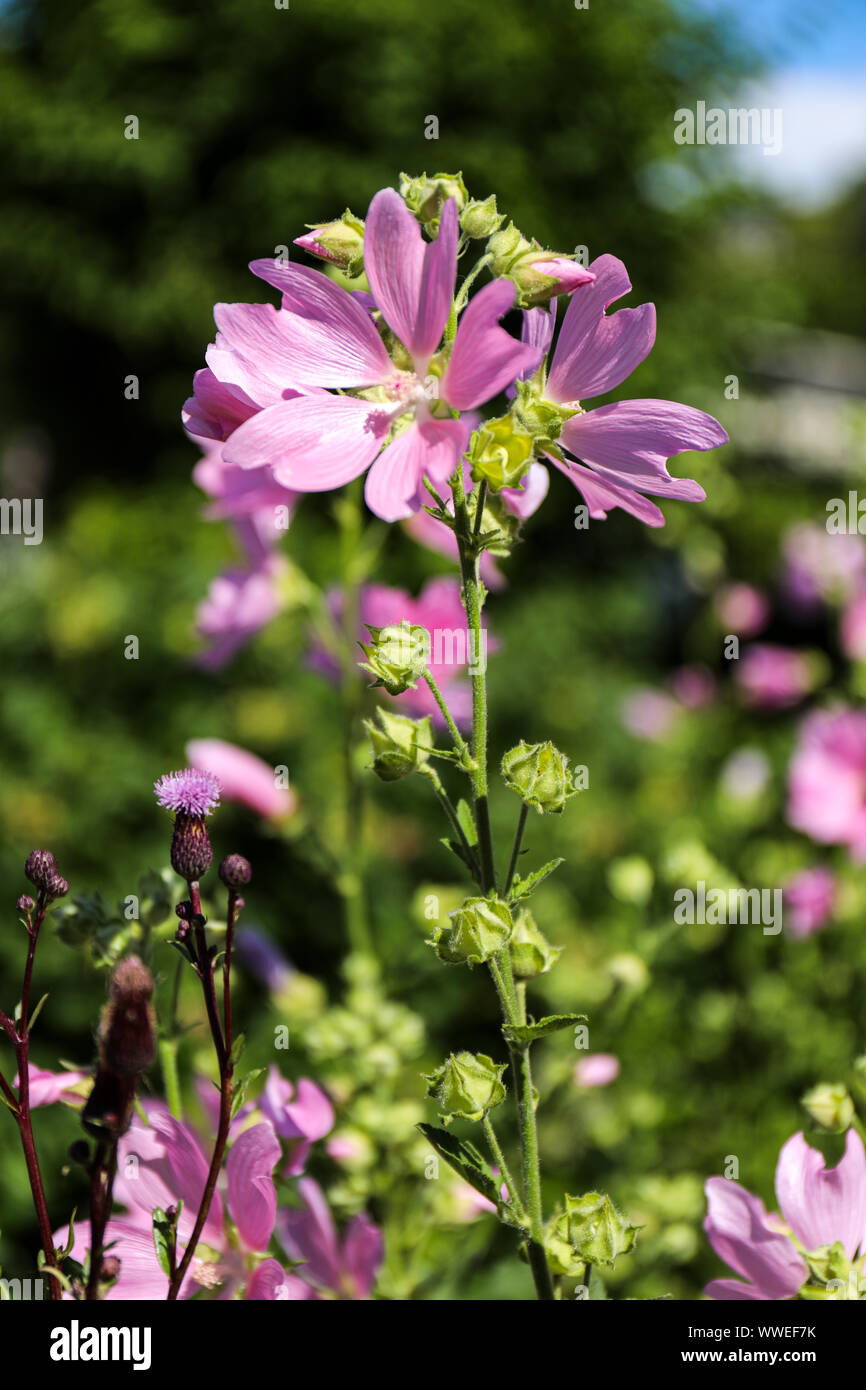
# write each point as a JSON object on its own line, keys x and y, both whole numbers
{"x": 363, "y": 1251}
{"x": 633, "y": 440}
{"x": 823, "y": 1205}
{"x": 252, "y": 1196}
{"x": 740, "y": 1233}
{"x": 412, "y": 280}
{"x": 270, "y": 1282}
{"x": 602, "y": 495}
{"x": 243, "y": 777}
{"x": 313, "y": 444}
{"x": 525, "y": 500}
{"x": 485, "y": 359}
{"x": 326, "y": 336}
{"x": 310, "y": 1235}
{"x": 727, "y": 1290}
{"x": 215, "y": 409}
{"x": 595, "y": 353}
{"x": 394, "y": 489}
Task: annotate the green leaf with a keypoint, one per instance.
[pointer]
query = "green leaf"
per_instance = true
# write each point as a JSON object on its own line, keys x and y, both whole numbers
{"x": 467, "y": 821}
{"x": 238, "y": 1046}
{"x": 164, "y": 1239}
{"x": 35, "y": 1014}
{"x": 522, "y": 1034}
{"x": 239, "y": 1094}
{"x": 8, "y": 1104}
{"x": 464, "y": 1159}
{"x": 522, "y": 887}
{"x": 456, "y": 848}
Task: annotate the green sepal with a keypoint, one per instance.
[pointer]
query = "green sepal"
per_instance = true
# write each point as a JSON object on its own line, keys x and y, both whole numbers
{"x": 522, "y": 887}
{"x": 522, "y": 1034}
{"x": 239, "y": 1093}
{"x": 465, "y": 1159}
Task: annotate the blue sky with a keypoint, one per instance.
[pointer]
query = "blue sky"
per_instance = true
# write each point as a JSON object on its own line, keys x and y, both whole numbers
{"x": 815, "y": 52}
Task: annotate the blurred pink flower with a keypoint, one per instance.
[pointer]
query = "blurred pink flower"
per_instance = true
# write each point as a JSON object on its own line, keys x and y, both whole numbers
{"x": 819, "y": 1205}
{"x": 742, "y": 609}
{"x": 650, "y": 714}
{"x": 827, "y": 779}
{"x": 243, "y": 777}
{"x": 596, "y": 1069}
{"x": 819, "y": 567}
{"x": 771, "y": 677}
{"x": 238, "y": 605}
{"x": 346, "y": 1267}
{"x": 852, "y": 627}
{"x": 48, "y": 1087}
{"x": 809, "y": 898}
{"x": 694, "y": 686}
{"x": 300, "y": 1115}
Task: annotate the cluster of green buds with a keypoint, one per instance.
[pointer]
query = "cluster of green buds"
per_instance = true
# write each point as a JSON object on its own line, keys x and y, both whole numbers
{"x": 501, "y": 452}
{"x": 426, "y": 197}
{"x": 400, "y": 745}
{"x": 540, "y": 775}
{"x": 466, "y": 1086}
{"x": 475, "y": 933}
{"x": 398, "y": 656}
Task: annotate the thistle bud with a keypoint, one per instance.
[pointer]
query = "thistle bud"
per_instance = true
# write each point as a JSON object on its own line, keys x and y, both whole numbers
{"x": 25, "y": 903}
{"x": 594, "y": 1228}
{"x": 398, "y": 656}
{"x": 110, "y": 1270}
{"x": 478, "y": 930}
{"x": 480, "y": 219}
{"x": 191, "y": 795}
{"x": 235, "y": 871}
{"x": 540, "y": 776}
{"x": 40, "y": 868}
{"x": 531, "y": 952}
{"x": 340, "y": 242}
{"x": 56, "y": 887}
{"x": 79, "y": 1152}
{"x": 500, "y": 452}
{"x": 400, "y": 745}
{"x": 467, "y": 1084}
{"x": 191, "y": 852}
{"x": 126, "y": 1036}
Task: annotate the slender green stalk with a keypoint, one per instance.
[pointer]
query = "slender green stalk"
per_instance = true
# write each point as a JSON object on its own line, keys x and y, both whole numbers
{"x": 350, "y": 881}
{"x": 453, "y": 819}
{"x": 500, "y": 968}
{"x": 456, "y": 736}
{"x": 515, "y": 848}
{"x": 499, "y": 1158}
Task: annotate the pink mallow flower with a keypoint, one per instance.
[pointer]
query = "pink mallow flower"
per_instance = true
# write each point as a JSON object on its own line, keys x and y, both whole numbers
{"x": 330, "y": 400}
{"x": 819, "y": 1207}
{"x": 161, "y": 1163}
{"x": 624, "y": 447}
{"x": 819, "y": 567}
{"x": 809, "y": 898}
{"x": 596, "y": 1069}
{"x": 345, "y": 1268}
{"x": 242, "y": 777}
{"x": 827, "y": 779}
{"x": 770, "y": 677}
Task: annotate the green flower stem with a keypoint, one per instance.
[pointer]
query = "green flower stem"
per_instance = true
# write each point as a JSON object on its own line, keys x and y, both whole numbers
{"x": 453, "y": 819}
{"x": 515, "y": 848}
{"x": 350, "y": 881}
{"x": 499, "y": 1158}
{"x": 463, "y": 293}
{"x": 456, "y": 736}
{"x": 500, "y": 968}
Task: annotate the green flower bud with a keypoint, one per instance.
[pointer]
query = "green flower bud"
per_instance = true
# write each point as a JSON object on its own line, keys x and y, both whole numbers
{"x": 594, "y": 1228}
{"x": 531, "y": 952}
{"x": 481, "y": 928}
{"x": 481, "y": 219}
{"x": 500, "y": 452}
{"x": 400, "y": 745}
{"x": 541, "y": 418}
{"x": 540, "y": 776}
{"x": 427, "y": 197}
{"x": 560, "y": 1254}
{"x": 467, "y": 1084}
{"x": 830, "y": 1106}
{"x": 398, "y": 656}
{"x": 341, "y": 242}
{"x": 504, "y": 246}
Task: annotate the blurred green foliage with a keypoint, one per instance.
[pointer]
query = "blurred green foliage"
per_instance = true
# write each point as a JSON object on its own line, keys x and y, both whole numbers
{"x": 253, "y": 122}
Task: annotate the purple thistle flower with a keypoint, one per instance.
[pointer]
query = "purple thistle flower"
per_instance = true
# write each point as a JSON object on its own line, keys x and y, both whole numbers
{"x": 190, "y": 792}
